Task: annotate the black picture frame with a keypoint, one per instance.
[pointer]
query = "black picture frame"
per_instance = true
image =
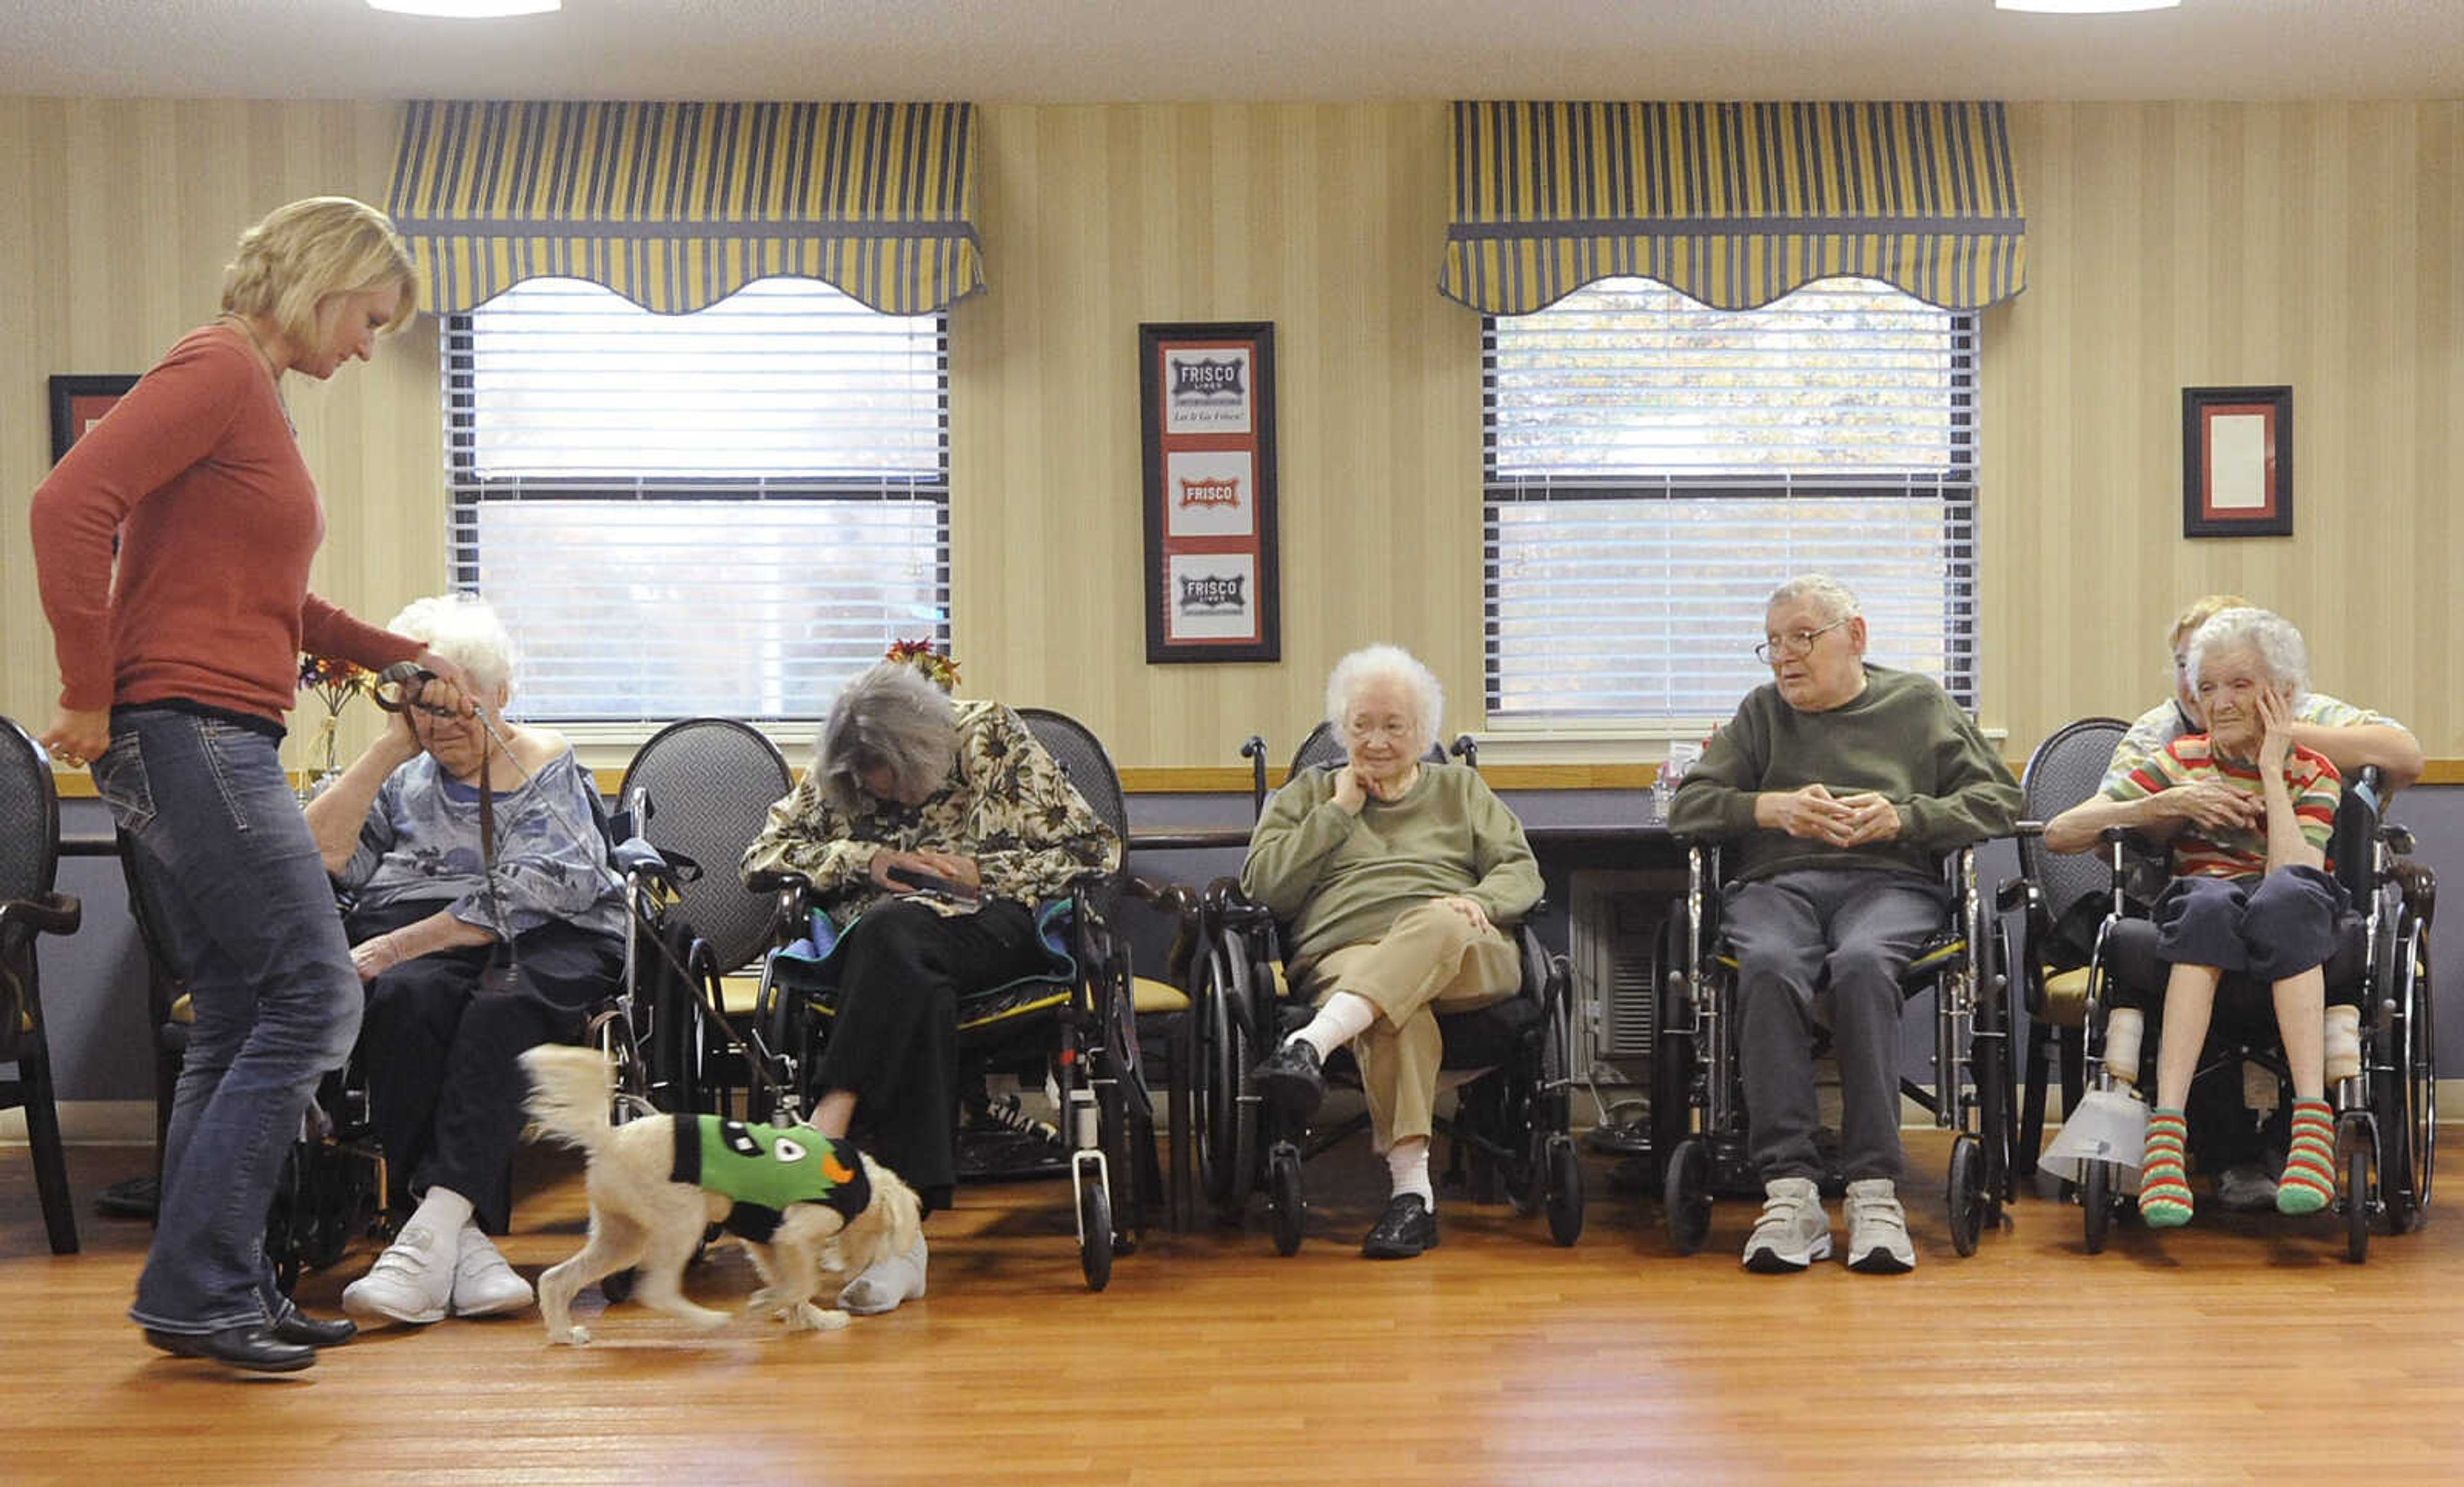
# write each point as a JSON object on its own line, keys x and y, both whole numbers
{"x": 1206, "y": 393}
{"x": 76, "y": 402}
{"x": 2236, "y": 462}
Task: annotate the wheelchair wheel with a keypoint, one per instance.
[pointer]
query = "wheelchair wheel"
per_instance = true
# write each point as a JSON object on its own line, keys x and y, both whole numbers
{"x": 1095, "y": 1232}
{"x": 1226, "y": 1122}
{"x": 1990, "y": 1049}
{"x": 1285, "y": 1204}
{"x": 2408, "y": 1114}
{"x": 1965, "y": 1191}
{"x": 2095, "y": 1202}
{"x": 1686, "y": 1195}
{"x": 2353, "y": 1162}
{"x": 1672, "y": 1053}
{"x": 1565, "y": 1196}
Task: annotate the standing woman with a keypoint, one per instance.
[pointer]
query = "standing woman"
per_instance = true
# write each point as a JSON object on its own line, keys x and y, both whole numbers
{"x": 174, "y": 679}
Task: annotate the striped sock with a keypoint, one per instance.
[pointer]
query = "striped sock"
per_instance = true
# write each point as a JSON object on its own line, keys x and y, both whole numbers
{"x": 2163, "y": 1189}
{"x": 2309, "y": 1181}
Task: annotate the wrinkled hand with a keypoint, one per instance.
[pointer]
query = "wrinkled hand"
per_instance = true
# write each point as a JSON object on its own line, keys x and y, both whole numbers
{"x": 77, "y": 736}
{"x": 450, "y": 690}
{"x": 373, "y": 958}
{"x": 1473, "y": 914}
{"x": 964, "y": 871}
{"x": 2276, "y": 742}
{"x": 1811, "y": 813}
{"x": 1351, "y": 790}
{"x": 1871, "y": 818}
{"x": 2212, "y": 805}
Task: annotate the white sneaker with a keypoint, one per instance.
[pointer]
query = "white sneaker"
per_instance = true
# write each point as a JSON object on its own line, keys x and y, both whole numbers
{"x": 483, "y": 1283}
{"x": 411, "y": 1282}
{"x": 1878, "y": 1230}
{"x": 886, "y": 1283}
{"x": 1792, "y": 1233}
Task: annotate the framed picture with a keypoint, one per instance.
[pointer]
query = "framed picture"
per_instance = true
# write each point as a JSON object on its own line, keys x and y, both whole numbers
{"x": 2236, "y": 462}
{"x": 77, "y": 403}
{"x": 1207, "y": 411}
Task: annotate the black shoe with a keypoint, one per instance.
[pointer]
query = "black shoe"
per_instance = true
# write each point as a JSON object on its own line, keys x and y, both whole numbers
{"x": 251, "y": 1347}
{"x": 1404, "y": 1230}
{"x": 297, "y": 1326}
{"x": 1291, "y": 1079}
{"x": 137, "y": 1197}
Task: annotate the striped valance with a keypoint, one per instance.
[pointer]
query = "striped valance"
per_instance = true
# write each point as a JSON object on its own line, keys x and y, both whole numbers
{"x": 1732, "y": 204}
{"x": 675, "y": 205}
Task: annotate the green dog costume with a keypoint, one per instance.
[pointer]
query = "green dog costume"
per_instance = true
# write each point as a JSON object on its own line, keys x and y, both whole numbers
{"x": 765, "y": 1167}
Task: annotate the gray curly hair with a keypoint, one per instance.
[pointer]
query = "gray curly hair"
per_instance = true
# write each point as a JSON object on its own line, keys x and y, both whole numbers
{"x": 890, "y": 716}
{"x": 2265, "y": 634}
{"x": 1835, "y": 598}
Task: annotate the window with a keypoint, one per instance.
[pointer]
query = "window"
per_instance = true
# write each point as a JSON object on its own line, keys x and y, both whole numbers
{"x": 1656, "y": 468}
{"x": 725, "y": 512}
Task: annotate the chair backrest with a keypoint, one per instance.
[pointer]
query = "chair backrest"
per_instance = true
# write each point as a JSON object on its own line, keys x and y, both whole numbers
{"x": 1082, "y": 756}
{"x": 709, "y": 784}
{"x": 2064, "y": 771}
{"x": 29, "y": 816}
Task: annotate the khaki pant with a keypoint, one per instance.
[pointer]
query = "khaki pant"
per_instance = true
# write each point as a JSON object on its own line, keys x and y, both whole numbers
{"x": 1431, "y": 961}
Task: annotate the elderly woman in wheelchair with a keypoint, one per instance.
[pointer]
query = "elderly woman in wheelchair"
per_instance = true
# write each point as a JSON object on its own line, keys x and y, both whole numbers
{"x": 927, "y": 832}
{"x": 484, "y": 920}
{"x": 1402, "y": 881}
{"x": 2248, "y": 813}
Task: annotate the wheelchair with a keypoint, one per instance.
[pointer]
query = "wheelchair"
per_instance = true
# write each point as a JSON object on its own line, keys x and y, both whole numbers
{"x": 1511, "y": 1121}
{"x": 2386, "y": 1106}
{"x": 1697, "y": 1077}
{"x": 1073, "y": 1030}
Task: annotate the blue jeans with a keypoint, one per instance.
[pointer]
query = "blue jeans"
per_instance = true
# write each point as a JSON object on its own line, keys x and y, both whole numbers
{"x": 248, "y": 917}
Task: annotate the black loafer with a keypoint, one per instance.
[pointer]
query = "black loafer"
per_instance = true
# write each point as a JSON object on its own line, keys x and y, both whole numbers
{"x": 307, "y": 1331}
{"x": 254, "y": 1349}
{"x": 1404, "y": 1231}
{"x": 1291, "y": 1079}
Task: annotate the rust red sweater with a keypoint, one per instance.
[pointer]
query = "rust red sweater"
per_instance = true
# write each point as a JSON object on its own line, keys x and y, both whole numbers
{"x": 198, "y": 474}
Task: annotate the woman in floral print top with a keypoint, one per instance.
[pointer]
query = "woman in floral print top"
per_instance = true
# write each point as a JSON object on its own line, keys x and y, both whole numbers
{"x": 904, "y": 782}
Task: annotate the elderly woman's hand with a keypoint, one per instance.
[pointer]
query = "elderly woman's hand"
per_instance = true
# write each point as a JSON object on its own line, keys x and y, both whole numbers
{"x": 1351, "y": 790}
{"x": 1473, "y": 914}
{"x": 2210, "y": 805}
{"x": 2276, "y": 739}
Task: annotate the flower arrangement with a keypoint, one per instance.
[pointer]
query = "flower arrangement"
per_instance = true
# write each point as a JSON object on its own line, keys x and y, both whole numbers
{"x": 334, "y": 683}
{"x": 920, "y": 654}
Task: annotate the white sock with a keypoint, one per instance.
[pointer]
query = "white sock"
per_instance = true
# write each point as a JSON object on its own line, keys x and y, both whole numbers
{"x": 444, "y": 1212}
{"x": 1345, "y": 1016}
{"x": 1407, "y": 1162}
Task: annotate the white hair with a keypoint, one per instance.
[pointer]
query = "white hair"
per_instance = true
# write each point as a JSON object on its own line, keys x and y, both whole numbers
{"x": 1828, "y": 594}
{"x": 464, "y": 629}
{"x": 888, "y": 716}
{"x": 1388, "y": 664}
{"x": 2265, "y": 634}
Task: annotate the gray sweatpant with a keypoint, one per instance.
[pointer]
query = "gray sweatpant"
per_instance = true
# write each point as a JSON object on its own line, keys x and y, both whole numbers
{"x": 1793, "y": 933}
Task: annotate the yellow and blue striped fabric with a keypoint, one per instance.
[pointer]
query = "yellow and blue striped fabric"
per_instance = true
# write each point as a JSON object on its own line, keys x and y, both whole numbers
{"x": 677, "y": 206}
{"x": 1732, "y": 204}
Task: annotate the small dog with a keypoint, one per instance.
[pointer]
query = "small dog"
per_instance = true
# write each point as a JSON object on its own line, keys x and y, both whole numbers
{"x": 640, "y": 1214}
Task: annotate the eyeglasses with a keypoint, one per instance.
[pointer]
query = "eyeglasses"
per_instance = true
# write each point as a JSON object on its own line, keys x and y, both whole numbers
{"x": 1797, "y": 644}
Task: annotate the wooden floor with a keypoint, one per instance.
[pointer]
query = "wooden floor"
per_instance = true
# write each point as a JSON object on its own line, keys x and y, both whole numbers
{"x": 2245, "y": 1348}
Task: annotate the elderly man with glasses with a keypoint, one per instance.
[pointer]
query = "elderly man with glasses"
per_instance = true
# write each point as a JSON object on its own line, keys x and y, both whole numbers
{"x": 1842, "y": 785}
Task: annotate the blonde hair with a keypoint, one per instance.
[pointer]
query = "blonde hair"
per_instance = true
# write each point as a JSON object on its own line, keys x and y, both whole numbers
{"x": 464, "y": 629}
{"x": 2201, "y": 611}
{"x": 304, "y": 254}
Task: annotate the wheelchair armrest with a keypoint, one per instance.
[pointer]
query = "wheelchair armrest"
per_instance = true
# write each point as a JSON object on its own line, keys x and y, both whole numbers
{"x": 634, "y": 857}
{"x": 1224, "y": 902}
{"x": 2398, "y": 838}
{"x": 1171, "y": 898}
{"x": 775, "y": 880}
{"x": 2027, "y": 828}
{"x": 54, "y": 913}
{"x": 2013, "y": 894}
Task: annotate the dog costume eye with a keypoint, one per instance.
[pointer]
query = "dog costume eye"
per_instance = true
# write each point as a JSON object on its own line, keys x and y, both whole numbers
{"x": 739, "y": 1139}
{"x": 788, "y": 1150}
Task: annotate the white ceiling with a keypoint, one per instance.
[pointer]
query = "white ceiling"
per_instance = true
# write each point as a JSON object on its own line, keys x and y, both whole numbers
{"x": 1136, "y": 50}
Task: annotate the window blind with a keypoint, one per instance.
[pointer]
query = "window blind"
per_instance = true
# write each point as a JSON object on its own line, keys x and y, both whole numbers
{"x": 724, "y": 512}
{"x": 1656, "y": 468}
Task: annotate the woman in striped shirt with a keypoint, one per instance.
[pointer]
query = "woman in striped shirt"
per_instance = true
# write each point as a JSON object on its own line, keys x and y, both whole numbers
{"x": 2250, "y": 892}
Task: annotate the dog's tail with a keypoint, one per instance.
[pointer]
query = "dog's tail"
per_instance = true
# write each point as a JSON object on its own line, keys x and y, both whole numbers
{"x": 570, "y": 1089}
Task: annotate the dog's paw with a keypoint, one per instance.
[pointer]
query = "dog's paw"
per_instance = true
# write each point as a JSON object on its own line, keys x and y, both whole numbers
{"x": 575, "y": 1336}
{"x": 761, "y": 1301}
{"x": 809, "y": 1318}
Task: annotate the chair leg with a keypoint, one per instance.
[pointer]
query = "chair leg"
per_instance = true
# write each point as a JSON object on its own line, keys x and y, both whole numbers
{"x": 43, "y": 1135}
